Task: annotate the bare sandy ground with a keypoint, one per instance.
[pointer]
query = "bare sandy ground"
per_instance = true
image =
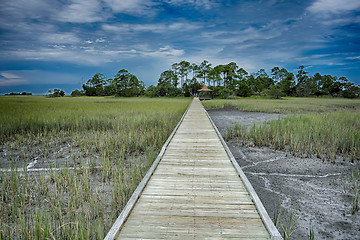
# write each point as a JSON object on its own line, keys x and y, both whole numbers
{"x": 319, "y": 192}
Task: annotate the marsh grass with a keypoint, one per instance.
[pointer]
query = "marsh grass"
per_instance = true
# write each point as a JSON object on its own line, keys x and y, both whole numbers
{"x": 287, "y": 220}
{"x": 288, "y": 105}
{"x": 323, "y": 127}
{"x": 107, "y": 143}
{"x": 290, "y": 225}
{"x": 277, "y": 216}
{"x": 324, "y": 135}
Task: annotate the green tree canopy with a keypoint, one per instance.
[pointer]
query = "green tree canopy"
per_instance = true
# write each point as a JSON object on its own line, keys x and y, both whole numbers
{"x": 126, "y": 84}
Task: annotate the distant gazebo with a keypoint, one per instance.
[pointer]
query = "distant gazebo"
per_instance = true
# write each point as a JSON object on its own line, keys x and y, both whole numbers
{"x": 205, "y": 93}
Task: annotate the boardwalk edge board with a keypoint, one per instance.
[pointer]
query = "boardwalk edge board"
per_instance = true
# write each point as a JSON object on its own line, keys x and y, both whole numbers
{"x": 274, "y": 233}
{"x": 116, "y": 227}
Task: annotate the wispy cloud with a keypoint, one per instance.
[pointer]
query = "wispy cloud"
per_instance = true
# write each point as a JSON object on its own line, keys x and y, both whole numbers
{"x": 354, "y": 58}
{"x": 27, "y": 9}
{"x": 132, "y": 7}
{"x": 334, "y": 59}
{"x": 165, "y": 51}
{"x": 248, "y": 35}
{"x": 92, "y": 56}
{"x": 80, "y": 11}
{"x": 59, "y": 54}
{"x": 155, "y": 28}
{"x": 9, "y": 75}
{"x": 204, "y": 4}
{"x": 10, "y": 79}
{"x": 333, "y": 6}
{"x": 72, "y": 11}
{"x": 36, "y": 77}
{"x": 128, "y": 28}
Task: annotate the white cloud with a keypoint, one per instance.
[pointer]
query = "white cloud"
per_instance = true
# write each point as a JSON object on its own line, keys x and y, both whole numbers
{"x": 335, "y": 63}
{"x": 74, "y": 11}
{"x": 100, "y": 40}
{"x": 134, "y": 7}
{"x": 113, "y": 28}
{"x": 27, "y": 9}
{"x": 87, "y": 11}
{"x": 92, "y": 56}
{"x": 81, "y": 11}
{"x": 314, "y": 57}
{"x": 269, "y": 31}
{"x": 28, "y": 29}
{"x": 112, "y": 55}
{"x": 334, "y": 59}
{"x": 155, "y": 28}
{"x": 166, "y": 51}
{"x": 334, "y": 6}
{"x": 354, "y": 58}
{"x": 184, "y": 26}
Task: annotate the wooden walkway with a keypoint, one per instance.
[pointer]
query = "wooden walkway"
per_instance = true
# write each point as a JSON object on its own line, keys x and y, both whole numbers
{"x": 194, "y": 192}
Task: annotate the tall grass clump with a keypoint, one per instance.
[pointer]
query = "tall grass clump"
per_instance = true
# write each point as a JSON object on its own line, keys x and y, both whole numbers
{"x": 290, "y": 224}
{"x": 326, "y": 135}
{"x": 105, "y": 145}
{"x": 285, "y": 221}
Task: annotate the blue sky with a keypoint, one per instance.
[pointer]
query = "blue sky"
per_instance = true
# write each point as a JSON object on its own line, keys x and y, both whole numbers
{"x": 60, "y": 44}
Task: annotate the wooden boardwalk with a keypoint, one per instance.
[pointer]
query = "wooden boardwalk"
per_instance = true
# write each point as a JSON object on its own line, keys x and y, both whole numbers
{"x": 194, "y": 192}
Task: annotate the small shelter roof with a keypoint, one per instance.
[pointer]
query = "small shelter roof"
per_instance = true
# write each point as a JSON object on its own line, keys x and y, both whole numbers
{"x": 205, "y": 89}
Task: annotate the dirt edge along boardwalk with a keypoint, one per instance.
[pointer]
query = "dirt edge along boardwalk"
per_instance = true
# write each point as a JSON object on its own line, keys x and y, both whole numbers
{"x": 195, "y": 192}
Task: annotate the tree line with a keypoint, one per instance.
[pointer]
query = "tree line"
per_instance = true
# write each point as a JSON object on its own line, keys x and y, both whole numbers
{"x": 185, "y": 78}
{"x": 17, "y": 93}
{"x": 123, "y": 84}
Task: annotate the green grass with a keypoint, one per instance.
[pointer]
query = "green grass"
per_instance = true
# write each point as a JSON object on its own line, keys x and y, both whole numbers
{"x": 110, "y": 143}
{"x": 326, "y": 135}
{"x": 290, "y": 225}
{"x": 311, "y": 235}
{"x": 326, "y": 128}
{"x": 287, "y": 105}
{"x": 287, "y": 220}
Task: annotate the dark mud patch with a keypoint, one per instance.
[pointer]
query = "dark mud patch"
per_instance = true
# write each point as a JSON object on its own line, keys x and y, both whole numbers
{"x": 319, "y": 192}
{"x": 230, "y": 116}
{"x": 42, "y": 157}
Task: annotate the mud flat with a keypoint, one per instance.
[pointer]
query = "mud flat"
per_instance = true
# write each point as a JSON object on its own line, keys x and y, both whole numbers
{"x": 319, "y": 193}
